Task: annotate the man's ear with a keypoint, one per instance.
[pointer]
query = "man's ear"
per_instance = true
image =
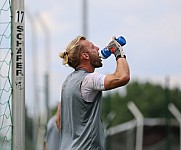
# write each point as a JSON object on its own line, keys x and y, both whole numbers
{"x": 85, "y": 55}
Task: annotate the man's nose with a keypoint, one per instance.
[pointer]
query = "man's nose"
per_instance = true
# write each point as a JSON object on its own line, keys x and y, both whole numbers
{"x": 97, "y": 48}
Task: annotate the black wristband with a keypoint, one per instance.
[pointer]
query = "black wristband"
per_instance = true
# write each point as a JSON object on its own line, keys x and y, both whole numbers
{"x": 119, "y": 56}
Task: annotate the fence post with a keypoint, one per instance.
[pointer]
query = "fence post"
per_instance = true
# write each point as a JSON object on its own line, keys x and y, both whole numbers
{"x": 18, "y": 75}
{"x": 139, "y": 119}
{"x": 177, "y": 115}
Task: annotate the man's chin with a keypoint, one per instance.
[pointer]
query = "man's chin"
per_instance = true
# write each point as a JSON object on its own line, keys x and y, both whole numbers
{"x": 98, "y": 66}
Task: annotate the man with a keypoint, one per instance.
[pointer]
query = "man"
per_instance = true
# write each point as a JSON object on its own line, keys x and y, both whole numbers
{"x": 52, "y": 135}
{"x": 79, "y": 115}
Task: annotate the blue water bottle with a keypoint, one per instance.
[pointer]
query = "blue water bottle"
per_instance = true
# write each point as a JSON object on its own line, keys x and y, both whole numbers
{"x": 105, "y": 53}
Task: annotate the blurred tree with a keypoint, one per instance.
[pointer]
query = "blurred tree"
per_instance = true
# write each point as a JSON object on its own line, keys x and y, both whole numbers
{"x": 149, "y": 98}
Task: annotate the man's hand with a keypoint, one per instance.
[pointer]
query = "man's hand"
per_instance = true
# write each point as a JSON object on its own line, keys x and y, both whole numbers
{"x": 116, "y": 48}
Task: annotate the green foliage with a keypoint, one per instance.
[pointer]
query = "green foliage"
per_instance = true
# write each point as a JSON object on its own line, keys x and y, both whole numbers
{"x": 151, "y": 99}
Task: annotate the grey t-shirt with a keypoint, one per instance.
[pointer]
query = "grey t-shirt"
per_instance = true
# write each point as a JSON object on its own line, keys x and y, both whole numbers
{"x": 52, "y": 135}
{"x": 91, "y": 84}
{"x": 81, "y": 124}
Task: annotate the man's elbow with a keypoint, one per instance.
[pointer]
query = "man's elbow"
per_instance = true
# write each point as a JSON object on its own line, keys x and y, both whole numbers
{"x": 126, "y": 79}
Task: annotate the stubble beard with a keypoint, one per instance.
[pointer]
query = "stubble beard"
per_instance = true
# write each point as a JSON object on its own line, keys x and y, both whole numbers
{"x": 96, "y": 62}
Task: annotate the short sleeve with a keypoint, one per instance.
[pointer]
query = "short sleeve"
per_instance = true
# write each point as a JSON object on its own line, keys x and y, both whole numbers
{"x": 91, "y": 85}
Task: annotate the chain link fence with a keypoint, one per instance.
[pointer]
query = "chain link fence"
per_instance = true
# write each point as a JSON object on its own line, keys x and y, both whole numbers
{"x": 5, "y": 76}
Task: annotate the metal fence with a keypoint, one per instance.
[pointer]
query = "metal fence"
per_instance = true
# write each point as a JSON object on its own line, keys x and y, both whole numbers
{"x": 146, "y": 133}
{"x": 5, "y": 76}
{"x": 12, "y": 108}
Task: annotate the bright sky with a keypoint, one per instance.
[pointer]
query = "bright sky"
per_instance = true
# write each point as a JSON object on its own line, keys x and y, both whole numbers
{"x": 152, "y": 29}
